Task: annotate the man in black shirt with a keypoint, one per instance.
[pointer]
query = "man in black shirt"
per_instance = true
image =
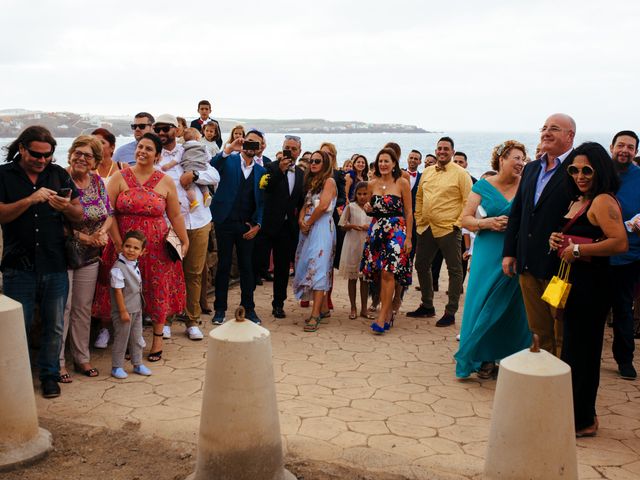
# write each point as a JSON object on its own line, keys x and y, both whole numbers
{"x": 36, "y": 197}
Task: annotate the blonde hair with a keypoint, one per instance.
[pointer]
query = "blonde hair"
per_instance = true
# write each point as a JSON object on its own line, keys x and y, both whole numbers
{"x": 503, "y": 150}
{"x": 93, "y": 142}
{"x": 237, "y": 127}
{"x": 333, "y": 153}
{"x": 191, "y": 134}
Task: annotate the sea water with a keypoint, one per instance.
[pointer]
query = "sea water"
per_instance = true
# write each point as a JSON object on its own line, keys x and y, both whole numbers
{"x": 477, "y": 145}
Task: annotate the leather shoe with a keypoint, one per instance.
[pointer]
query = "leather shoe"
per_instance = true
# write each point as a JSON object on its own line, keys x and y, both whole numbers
{"x": 278, "y": 312}
{"x": 446, "y": 321}
{"x": 268, "y": 277}
{"x": 422, "y": 312}
{"x": 259, "y": 281}
{"x": 50, "y": 388}
{"x": 627, "y": 371}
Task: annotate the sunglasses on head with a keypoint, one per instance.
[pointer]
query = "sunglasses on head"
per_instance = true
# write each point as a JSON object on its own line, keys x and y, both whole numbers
{"x": 139, "y": 126}
{"x": 292, "y": 137}
{"x": 587, "y": 171}
{"x": 39, "y": 154}
{"x": 163, "y": 128}
{"x": 315, "y": 161}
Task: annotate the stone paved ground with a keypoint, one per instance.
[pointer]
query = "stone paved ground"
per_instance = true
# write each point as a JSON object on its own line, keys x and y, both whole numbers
{"x": 388, "y": 403}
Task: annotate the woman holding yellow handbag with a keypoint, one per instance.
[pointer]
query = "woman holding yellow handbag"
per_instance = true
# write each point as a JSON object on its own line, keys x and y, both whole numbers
{"x": 592, "y": 232}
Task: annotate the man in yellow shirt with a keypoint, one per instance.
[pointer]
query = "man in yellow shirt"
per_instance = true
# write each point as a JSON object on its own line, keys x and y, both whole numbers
{"x": 442, "y": 193}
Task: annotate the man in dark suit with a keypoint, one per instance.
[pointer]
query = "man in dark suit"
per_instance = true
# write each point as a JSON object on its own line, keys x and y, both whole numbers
{"x": 413, "y": 162}
{"x": 237, "y": 210}
{"x": 282, "y": 203}
{"x": 204, "y": 110}
{"x": 537, "y": 210}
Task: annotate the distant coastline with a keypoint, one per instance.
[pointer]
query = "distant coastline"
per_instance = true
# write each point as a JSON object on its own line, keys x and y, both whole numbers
{"x": 69, "y": 124}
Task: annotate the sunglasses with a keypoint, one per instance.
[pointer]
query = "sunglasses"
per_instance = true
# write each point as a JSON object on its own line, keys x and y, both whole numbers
{"x": 139, "y": 126}
{"x": 292, "y": 137}
{"x": 163, "y": 129}
{"x": 39, "y": 154}
{"x": 316, "y": 161}
{"x": 587, "y": 171}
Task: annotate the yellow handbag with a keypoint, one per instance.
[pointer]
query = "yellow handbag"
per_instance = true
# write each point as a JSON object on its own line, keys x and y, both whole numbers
{"x": 557, "y": 291}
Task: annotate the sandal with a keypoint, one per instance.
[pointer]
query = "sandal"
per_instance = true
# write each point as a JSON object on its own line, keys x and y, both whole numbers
{"x": 486, "y": 370}
{"x": 155, "y": 356}
{"x": 366, "y": 315}
{"x": 353, "y": 314}
{"x": 312, "y": 324}
{"x": 65, "y": 378}
{"x": 90, "y": 372}
{"x": 324, "y": 316}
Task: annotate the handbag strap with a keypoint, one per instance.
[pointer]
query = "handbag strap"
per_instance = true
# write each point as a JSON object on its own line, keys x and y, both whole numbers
{"x": 573, "y": 219}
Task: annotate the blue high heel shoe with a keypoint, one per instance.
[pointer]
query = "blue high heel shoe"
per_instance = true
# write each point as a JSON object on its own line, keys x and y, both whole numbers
{"x": 389, "y": 324}
{"x": 377, "y": 329}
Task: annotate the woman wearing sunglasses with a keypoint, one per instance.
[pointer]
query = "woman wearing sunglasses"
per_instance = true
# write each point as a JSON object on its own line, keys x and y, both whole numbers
{"x": 317, "y": 244}
{"x": 592, "y": 230}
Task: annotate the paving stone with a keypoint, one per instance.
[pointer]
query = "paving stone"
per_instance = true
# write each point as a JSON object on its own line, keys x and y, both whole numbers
{"x": 368, "y": 427}
{"x": 616, "y": 473}
{"x": 456, "y": 463}
{"x": 381, "y": 407}
{"x": 307, "y": 448}
{"x": 442, "y": 445}
{"x": 372, "y": 457}
{"x": 133, "y": 395}
{"x": 350, "y": 439}
{"x": 302, "y": 409}
{"x": 410, "y": 430}
{"x": 180, "y": 389}
{"x": 289, "y": 424}
{"x": 453, "y": 408}
{"x": 322, "y": 427}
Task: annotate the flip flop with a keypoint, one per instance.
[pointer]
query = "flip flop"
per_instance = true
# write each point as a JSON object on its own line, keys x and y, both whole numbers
{"x": 353, "y": 314}
{"x": 155, "y": 356}
{"x": 65, "y": 378}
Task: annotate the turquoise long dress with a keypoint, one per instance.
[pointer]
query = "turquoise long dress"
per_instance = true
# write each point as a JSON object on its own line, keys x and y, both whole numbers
{"x": 494, "y": 322}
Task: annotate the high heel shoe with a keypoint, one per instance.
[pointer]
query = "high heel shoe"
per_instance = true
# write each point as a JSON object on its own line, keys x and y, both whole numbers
{"x": 377, "y": 329}
{"x": 389, "y": 324}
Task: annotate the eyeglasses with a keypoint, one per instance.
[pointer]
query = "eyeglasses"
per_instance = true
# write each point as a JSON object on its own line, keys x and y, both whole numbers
{"x": 163, "y": 129}
{"x": 552, "y": 129}
{"x": 587, "y": 171}
{"x": 316, "y": 161}
{"x": 39, "y": 154}
{"x": 78, "y": 154}
{"x": 292, "y": 137}
{"x": 139, "y": 126}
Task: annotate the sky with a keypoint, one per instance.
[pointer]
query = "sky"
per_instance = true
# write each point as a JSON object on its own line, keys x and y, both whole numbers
{"x": 453, "y": 66}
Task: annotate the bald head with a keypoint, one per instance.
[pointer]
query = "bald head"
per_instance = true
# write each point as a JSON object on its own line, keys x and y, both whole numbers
{"x": 557, "y": 134}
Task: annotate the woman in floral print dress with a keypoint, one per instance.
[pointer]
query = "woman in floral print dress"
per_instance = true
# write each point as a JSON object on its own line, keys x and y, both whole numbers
{"x": 317, "y": 244}
{"x": 386, "y": 251}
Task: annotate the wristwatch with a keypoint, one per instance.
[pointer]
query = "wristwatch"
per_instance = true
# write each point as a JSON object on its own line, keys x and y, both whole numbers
{"x": 196, "y": 175}
{"x": 576, "y": 251}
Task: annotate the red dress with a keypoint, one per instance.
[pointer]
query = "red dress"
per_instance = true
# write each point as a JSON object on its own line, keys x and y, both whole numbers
{"x": 142, "y": 208}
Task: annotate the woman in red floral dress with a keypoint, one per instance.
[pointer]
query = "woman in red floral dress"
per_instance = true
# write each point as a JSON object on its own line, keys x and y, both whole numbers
{"x": 142, "y": 196}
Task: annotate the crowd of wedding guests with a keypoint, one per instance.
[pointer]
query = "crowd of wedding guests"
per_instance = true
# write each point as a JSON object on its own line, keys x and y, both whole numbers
{"x": 123, "y": 234}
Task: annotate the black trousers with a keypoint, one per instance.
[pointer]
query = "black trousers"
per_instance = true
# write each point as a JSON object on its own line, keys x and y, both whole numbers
{"x": 623, "y": 281}
{"x": 584, "y": 318}
{"x": 229, "y": 234}
{"x": 283, "y": 244}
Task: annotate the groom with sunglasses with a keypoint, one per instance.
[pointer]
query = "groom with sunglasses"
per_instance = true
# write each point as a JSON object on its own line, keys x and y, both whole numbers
{"x": 37, "y": 199}
{"x": 537, "y": 210}
{"x": 142, "y": 123}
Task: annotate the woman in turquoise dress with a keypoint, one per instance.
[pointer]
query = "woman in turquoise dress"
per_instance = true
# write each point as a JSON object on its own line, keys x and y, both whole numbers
{"x": 494, "y": 322}
{"x": 317, "y": 244}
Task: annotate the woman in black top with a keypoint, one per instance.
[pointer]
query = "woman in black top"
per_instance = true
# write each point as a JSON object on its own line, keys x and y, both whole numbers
{"x": 595, "y": 216}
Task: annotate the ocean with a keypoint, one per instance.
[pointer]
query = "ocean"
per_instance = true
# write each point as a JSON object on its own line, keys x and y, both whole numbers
{"x": 477, "y": 145}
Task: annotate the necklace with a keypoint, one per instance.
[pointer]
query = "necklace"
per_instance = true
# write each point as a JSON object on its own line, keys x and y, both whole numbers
{"x": 110, "y": 170}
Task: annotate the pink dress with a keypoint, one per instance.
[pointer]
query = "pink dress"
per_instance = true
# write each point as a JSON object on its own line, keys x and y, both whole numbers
{"x": 142, "y": 208}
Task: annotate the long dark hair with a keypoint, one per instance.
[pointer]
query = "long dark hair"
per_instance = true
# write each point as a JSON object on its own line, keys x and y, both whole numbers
{"x": 396, "y": 173}
{"x": 35, "y": 133}
{"x": 606, "y": 178}
{"x": 314, "y": 182}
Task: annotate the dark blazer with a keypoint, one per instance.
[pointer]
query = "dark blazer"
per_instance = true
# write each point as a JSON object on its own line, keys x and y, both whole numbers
{"x": 341, "y": 200}
{"x": 414, "y": 190}
{"x": 529, "y": 227}
{"x": 230, "y": 176}
{"x": 266, "y": 160}
{"x": 279, "y": 204}
{"x": 196, "y": 124}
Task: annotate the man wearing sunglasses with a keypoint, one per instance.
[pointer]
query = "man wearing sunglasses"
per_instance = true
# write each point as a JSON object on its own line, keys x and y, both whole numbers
{"x": 625, "y": 268}
{"x": 237, "y": 210}
{"x": 197, "y": 220}
{"x": 37, "y": 199}
{"x": 142, "y": 123}
{"x": 540, "y": 203}
{"x": 282, "y": 202}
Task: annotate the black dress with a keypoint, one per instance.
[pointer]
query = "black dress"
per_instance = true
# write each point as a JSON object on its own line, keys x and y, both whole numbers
{"x": 584, "y": 319}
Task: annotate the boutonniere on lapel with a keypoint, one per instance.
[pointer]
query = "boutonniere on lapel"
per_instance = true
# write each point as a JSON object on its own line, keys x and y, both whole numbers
{"x": 264, "y": 181}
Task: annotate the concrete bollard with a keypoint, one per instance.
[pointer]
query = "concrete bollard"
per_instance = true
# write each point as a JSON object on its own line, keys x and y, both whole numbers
{"x": 239, "y": 426}
{"x": 532, "y": 433}
{"x": 21, "y": 439}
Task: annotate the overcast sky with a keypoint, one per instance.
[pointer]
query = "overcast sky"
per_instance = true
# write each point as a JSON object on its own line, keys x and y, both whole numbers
{"x": 442, "y": 65}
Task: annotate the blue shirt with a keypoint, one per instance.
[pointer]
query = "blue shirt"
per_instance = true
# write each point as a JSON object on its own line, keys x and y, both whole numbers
{"x": 125, "y": 153}
{"x": 545, "y": 175}
{"x": 629, "y": 198}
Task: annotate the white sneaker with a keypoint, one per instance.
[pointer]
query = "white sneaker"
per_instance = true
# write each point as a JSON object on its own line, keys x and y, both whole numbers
{"x": 194, "y": 333}
{"x": 103, "y": 338}
{"x": 166, "y": 332}
{"x": 458, "y": 337}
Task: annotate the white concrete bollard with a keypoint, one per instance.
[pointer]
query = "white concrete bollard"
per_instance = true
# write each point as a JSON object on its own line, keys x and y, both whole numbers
{"x": 532, "y": 433}
{"x": 21, "y": 439}
{"x": 239, "y": 426}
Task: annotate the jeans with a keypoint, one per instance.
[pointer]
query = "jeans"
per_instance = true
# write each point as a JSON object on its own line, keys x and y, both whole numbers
{"x": 229, "y": 234}
{"x": 48, "y": 291}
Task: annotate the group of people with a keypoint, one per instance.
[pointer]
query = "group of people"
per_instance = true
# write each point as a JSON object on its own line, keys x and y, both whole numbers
{"x": 124, "y": 234}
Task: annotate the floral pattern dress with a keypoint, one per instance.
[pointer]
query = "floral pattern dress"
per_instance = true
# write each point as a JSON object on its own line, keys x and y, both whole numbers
{"x": 163, "y": 288}
{"x": 384, "y": 247}
{"x": 315, "y": 252}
